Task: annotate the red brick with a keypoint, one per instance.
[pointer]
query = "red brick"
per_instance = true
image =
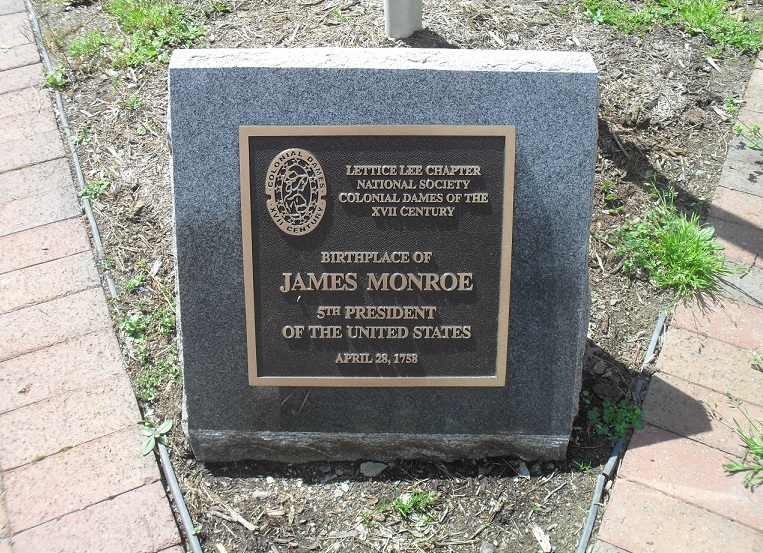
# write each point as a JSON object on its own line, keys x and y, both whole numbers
{"x": 175, "y": 549}
{"x": 681, "y": 407}
{"x": 743, "y": 176}
{"x": 604, "y": 547}
{"x": 21, "y": 77}
{"x": 732, "y": 322}
{"x": 753, "y": 96}
{"x": 137, "y": 521}
{"x": 35, "y": 180}
{"x": 713, "y": 364}
{"x": 66, "y": 420}
{"x": 18, "y": 56}
{"x": 737, "y": 207}
{"x": 745, "y": 286}
{"x": 686, "y": 470}
{"x": 77, "y": 478}
{"x": 42, "y": 244}
{"x": 65, "y": 367}
{"x": 640, "y": 519}
{"x": 5, "y": 529}
{"x": 28, "y": 123}
{"x": 12, "y": 6}
{"x": 5, "y": 545}
{"x": 740, "y": 242}
{"x": 23, "y": 101}
{"x": 15, "y": 29}
{"x": 30, "y": 150}
{"x": 34, "y": 211}
{"x": 47, "y": 281}
{"x": 52, "y": 322}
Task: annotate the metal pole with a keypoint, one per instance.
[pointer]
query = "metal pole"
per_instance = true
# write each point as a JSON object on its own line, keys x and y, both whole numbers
{"x": 402, "y": 18}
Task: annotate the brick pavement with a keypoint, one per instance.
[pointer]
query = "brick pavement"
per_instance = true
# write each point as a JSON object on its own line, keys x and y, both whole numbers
{"x": 672, "y": 493}
{"x": 71, "y": 474}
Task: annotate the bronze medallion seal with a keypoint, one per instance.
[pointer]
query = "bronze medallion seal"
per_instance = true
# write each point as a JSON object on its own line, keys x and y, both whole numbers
{"x": 296, "y": 189}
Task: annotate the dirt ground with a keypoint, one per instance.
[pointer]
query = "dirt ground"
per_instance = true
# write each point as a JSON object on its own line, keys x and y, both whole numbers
{"x": 660, "y": 122}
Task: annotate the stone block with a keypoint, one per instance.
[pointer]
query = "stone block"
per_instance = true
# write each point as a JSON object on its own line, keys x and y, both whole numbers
{"x": 66, "y": 420}
{"x": 61, "y": 368}
{"x": 35, "y": 180}
{"x": 19, "y": 56}
{"x": 641, "y": 519}
{"x": 16, "y": 29}
{"x": 12, "y": 6}
{"x": 27, "y": 76}
{"x": 711, "y": 363}
{"x": 41, "y": 244}
{"x": 139, "y": 520}
{"x": 734, "y": 323}
{"x": 77, "y": 478}
{"x": 52, "y": 322}
{"x": 551, "y": 101}
{"x": 692, "y": 473}
{"x": 687, "y": 409}
{"x": 31, "y": 149}
{"x": 51, "y": 206}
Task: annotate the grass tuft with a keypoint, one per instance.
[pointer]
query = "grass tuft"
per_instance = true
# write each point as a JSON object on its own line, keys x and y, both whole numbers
{"x": 717, "y": 20}
{"x": 675, "y": 251}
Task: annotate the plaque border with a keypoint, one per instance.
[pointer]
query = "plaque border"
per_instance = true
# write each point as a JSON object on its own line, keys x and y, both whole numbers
{"x": 508, "y": 132}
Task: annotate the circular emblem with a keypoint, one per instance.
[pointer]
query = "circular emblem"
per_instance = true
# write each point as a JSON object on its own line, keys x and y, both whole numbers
{"x": 296, "y": 188}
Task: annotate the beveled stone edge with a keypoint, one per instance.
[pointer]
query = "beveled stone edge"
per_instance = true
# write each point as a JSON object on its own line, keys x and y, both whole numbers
{"x": 302, "y": 447}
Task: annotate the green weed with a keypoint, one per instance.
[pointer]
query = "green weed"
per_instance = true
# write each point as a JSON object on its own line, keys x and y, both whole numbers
{"x": 674, "y": 251}
{"x": 82, "y": 137}
{"x": 154, "y": 434}
{"x": 752, "y": 464}
{"x": 134, "y": 326}
{"x": 94, "y": 188}
{"x": 615, "y": 418}
{"x": 55, "y": 78}
{"x": 133, "y": 102}
{"x": 714, "y": 19}
{"x": 410, "y": 503}
{"x": 135, "y": 282}
{"x": 152, "y": 28}
{"x": 91, "y": 44}
{"x": 152, "y": 377}
{"x": 756, "y": 359}
{"x": 583, "y": 467}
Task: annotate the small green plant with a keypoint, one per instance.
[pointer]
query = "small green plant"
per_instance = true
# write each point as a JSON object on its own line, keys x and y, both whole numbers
{"x": 55, "y": 78}
{"x": 151, "y": 28}
{"x": 133, "y": 102}
{"x": 716, "y": 20}
{"x": 82, "y": 137}
{"x": 166, "y": 320}
{"x": 674, "y": 251}
{"x": 216, "y": 6}
{"x": 154, "y": 376}
{"x": 94, "y": 188}
{"x": 615, "y": 418}
{"x": 154, "y": 434}
{"x": 91, "y": 44}
{"x": 756, "y": 359}
{"x": 135, "y": 282}
{"x": 583, "y": 467}
{"x": 134, "y": 326}
{"x": 196, "y": 530}
{"x": 143, "y": 129}
{"x": 730, "y": 106}
{"x": 751, "y": 133}
{"x": 752, "y": 464}
{"x": 410, "y": 503}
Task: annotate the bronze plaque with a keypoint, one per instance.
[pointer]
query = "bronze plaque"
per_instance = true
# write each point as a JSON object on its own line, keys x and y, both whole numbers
{"x": 377, "y": 255}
